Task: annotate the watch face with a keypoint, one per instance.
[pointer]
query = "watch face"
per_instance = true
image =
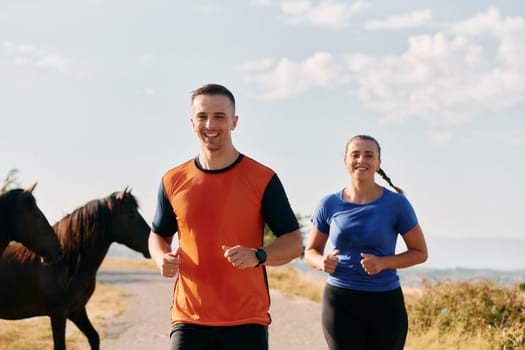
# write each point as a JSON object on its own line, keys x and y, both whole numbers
{"x": 261, "y": 255}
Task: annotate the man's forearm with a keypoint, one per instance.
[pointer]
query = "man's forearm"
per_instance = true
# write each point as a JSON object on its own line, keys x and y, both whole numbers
{"x": 284, "y": 248}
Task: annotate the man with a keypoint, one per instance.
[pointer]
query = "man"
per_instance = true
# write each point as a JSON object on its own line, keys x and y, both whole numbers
{"x": 218, "y": 203}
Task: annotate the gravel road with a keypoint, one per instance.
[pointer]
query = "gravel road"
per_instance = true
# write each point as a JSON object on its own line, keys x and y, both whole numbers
{"x": 144, "y": 326}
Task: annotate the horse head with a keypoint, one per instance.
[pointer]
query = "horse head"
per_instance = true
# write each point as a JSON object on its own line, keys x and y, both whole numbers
{"x": 29, "y": 226}
{"x": 128, "y": 226}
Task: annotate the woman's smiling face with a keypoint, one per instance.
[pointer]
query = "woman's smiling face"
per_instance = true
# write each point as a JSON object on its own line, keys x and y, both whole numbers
{"x": 362, "y": 159}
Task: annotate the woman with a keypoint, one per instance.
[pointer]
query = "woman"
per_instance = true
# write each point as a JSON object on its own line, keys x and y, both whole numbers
{"x": 363, "y": 305}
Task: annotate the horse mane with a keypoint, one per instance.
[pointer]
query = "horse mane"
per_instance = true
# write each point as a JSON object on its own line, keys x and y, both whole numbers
{"x": 77, "y": 231}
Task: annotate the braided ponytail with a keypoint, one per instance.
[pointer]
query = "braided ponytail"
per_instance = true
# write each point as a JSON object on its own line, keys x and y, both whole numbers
{"x": 387, "y": 179}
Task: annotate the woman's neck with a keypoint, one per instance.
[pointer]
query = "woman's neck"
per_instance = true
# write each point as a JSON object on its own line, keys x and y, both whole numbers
{"x": 362, "y": 193}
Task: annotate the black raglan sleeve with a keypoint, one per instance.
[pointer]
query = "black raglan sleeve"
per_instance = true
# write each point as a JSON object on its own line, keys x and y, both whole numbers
{"x": 276, "y": 208}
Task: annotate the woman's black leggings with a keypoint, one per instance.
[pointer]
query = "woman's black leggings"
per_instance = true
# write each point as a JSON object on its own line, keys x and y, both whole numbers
{"x": 364, "y": 320}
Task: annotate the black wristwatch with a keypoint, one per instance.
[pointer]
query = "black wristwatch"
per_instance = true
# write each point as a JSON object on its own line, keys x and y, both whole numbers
{"x": 260, "y": 254}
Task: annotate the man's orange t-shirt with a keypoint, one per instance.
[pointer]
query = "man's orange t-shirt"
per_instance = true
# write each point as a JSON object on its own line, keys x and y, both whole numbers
{"x": 212, "y": 209}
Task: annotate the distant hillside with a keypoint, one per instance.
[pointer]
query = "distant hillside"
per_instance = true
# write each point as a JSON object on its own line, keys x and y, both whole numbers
{"x": 414, "y": 276}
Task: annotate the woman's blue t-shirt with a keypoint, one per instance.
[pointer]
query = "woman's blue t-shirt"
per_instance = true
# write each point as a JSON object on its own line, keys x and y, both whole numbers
{"x": 364, "y": 228}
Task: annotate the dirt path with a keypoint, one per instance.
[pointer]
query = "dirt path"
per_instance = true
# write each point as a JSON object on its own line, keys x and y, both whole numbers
{"x": 145, "y": 326}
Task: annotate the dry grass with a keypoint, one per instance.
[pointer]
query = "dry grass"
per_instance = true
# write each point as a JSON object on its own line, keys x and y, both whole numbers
{"x": 292, "y": 283}
{"x": 35, "y": 333}
{"x": 467, "y": 315}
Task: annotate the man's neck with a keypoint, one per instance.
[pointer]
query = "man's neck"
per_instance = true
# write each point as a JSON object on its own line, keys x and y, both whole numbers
{"x": 217, "y": 159}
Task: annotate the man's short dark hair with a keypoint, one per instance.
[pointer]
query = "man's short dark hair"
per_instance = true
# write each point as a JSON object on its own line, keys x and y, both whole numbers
{"x": 214, "y": 89}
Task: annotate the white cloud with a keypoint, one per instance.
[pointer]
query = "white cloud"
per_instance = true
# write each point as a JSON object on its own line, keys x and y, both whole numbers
{"x": 23, "y": 54}
{"x": 328, "y": 13}
{"x": 288, "y": 78}
{"x": 511, "y": 51}
{"x": 411, "y": 20}
{"x": 439, "y": 79}
{"x": 490, "y": 22}
{"x": 444, "y": 77}
{"x": 509, "y": 31}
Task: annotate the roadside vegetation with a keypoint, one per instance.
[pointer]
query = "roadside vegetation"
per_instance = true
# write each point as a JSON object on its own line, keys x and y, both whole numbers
{"x": 445, "y": 315}
{"x": 467, "y": 315}
{"x": 294, "y": 284}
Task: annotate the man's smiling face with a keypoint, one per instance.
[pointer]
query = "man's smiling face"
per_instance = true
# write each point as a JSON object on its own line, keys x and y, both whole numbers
{"x": 213, "y": 120}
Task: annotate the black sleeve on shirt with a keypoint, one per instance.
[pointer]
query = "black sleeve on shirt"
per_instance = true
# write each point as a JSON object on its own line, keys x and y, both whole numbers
{"x": 276, "y": 209}
{"x": 164, "y": 221}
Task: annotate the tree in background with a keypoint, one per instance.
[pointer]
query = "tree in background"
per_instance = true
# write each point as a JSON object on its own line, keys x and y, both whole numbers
{"x": 10, "y": 181}
{"x": 269, "y": 237}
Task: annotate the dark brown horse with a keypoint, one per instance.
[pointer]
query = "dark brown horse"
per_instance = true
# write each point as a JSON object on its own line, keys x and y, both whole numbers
{"x": 21, "y": 220}
{"x": 61, "y": 291}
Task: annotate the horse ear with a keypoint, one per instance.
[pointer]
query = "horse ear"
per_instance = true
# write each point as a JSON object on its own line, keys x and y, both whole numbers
{"x": 119, "y": 195}
{"x": 122, "y": 194}
{"x": 30, "y": 189}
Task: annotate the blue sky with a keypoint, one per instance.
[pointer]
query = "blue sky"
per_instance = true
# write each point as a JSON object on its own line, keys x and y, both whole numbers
{"x": 95, "y": 96}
